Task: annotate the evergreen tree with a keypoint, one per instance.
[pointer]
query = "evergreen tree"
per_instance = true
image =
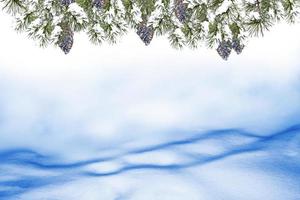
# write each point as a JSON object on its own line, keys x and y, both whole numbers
{"x": 220, "y": 24}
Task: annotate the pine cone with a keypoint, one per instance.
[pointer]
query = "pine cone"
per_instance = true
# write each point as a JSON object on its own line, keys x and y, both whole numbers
{"x": 66, "y": 40}
{"x": 146, "y": 33}
{"x": 180, "y": 10}
{"x": 224, "y": 49}
{"x": 237, "y": 45}
{"x": 66, "y": 2}
{"x": 100, "y": 3}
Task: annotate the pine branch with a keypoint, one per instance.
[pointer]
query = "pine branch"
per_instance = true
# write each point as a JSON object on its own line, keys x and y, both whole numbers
{"x": 220, "y": 24}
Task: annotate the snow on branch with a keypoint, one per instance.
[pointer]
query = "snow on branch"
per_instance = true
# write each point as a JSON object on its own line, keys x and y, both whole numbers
{"x": 221, "y": 24}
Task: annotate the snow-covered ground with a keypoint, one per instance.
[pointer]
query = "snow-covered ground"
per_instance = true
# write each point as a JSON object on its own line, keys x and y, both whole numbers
{"x": 135, "y": 122}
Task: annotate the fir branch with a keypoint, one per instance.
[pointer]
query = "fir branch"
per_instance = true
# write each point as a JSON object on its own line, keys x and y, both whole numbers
{"x": 186, "y": 22}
